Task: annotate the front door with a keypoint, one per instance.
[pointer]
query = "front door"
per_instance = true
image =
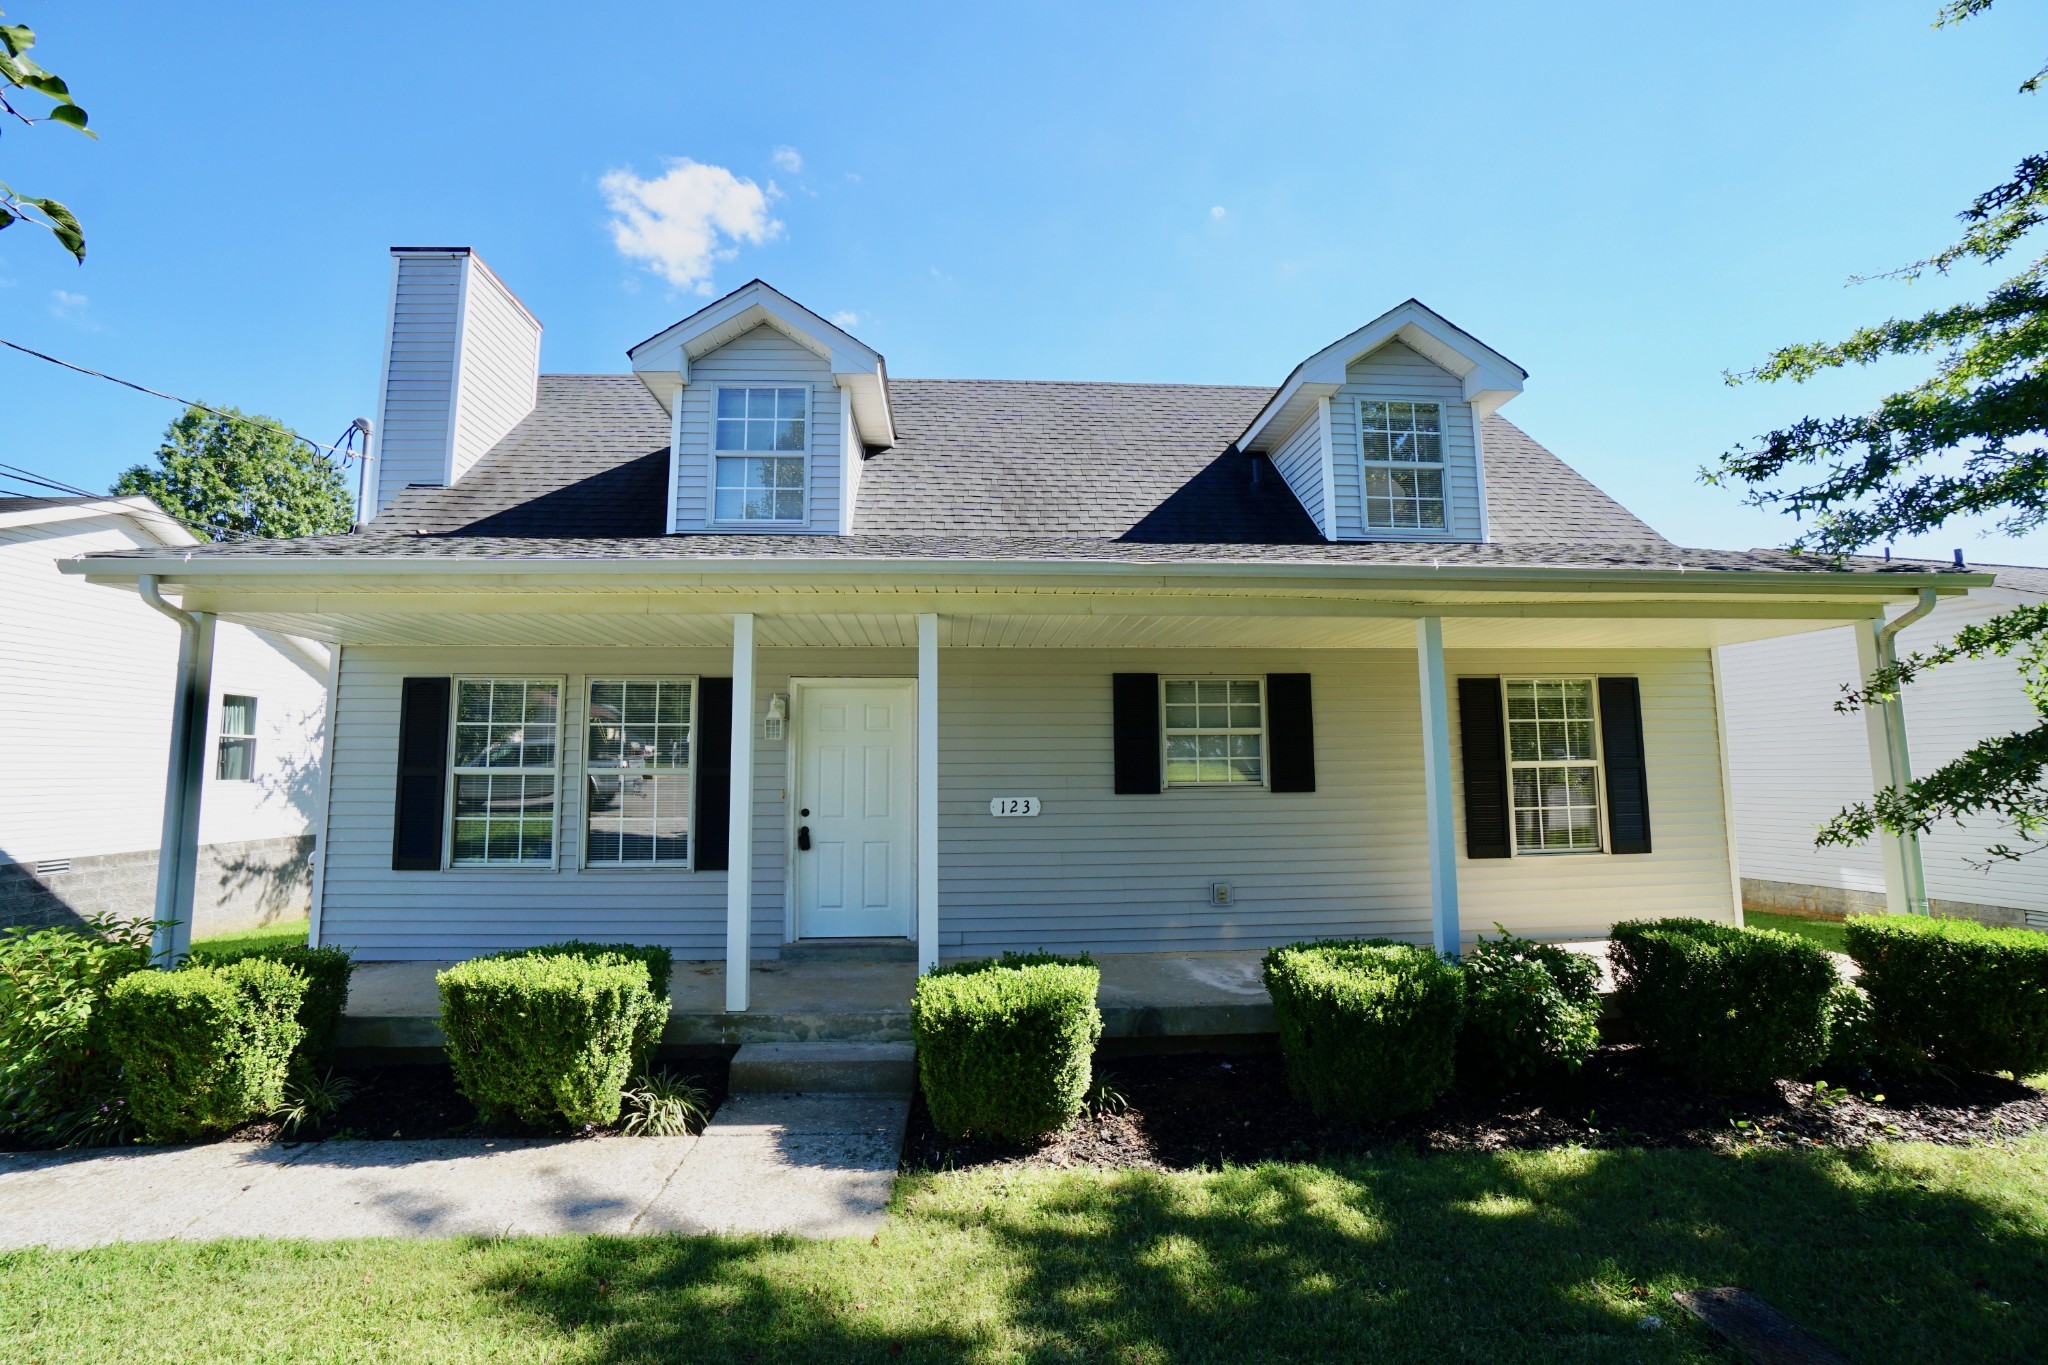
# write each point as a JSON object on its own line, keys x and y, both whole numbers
{"x": 856, "y": 811}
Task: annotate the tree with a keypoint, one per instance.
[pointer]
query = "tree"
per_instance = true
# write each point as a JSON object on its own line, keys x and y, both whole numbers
{"x": 18, "y": 72}
{"x": 229, "y": 476}
{"x": 1965, "y": 441}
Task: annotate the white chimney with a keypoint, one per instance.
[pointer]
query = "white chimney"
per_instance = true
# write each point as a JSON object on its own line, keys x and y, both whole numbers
{"x": 461, "y": 366}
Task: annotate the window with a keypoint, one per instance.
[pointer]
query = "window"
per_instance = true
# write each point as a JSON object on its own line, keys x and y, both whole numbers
{"x": 237, "y": 761}
{"x": 1402, "y": 445}
{"x": 504, "y": 770}
{"x": 1215, "y": 732}
{"x": 1554, "y": 765}
{"x": 764, "y": 479}
{"x": 636, "y": 767}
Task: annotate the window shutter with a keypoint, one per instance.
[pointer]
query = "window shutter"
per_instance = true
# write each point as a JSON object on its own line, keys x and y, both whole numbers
{"x": 418, "y": 815}
{"x": 1621, "y": 753}
{"x": 1135, "y": 704}
{"x": 1482, "y": 743}
{"x": 1290, "y": 733}
{"x": 714, "y": 775}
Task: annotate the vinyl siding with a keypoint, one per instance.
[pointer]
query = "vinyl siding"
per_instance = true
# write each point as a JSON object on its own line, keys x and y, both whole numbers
{"x": 419, "y": 381}
{"x": 1797, "y": 760}
{"x": 763, "y": 356}
{"x": 1300, "y": 461}
{"x": 1397, "y": 372}
{"x": 500, "y": 367}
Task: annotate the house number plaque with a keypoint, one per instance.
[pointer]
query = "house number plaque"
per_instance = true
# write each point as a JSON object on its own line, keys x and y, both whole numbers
{"x": 1013, "y": 805}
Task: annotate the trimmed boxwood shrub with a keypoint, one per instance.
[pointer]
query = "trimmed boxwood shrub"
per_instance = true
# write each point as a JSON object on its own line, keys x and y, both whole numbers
{"x": 1531, "y": 1010}
{"x": 327, "y": 972}
{"x": 1729, "y": 1008}
{"x": 205, "y": 1048}
{"x": 1955, "y": 992}
{"x": 1005, "y": 1049}
{"x": 1368, "y": 1029}
{"x": 548, "y": 1037}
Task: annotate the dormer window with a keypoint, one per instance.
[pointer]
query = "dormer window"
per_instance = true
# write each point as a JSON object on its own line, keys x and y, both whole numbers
{"x": 1402, "y": 445}
{"x": 760, "y": 445}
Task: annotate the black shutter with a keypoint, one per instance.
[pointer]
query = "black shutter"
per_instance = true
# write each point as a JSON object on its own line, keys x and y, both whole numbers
{"x": 1290, "y": 733}
{"x": 418, "y": 814}
{"x": 1135, "y": 704}
{"x": 1621, "y": 751}
{"x": 714, "y": 774}
{"x": 1482, "y": 743}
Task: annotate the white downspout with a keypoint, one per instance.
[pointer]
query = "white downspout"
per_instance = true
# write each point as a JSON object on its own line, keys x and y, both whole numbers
{"x": 177, "y": 867}
{"x": 1895, "y": 741}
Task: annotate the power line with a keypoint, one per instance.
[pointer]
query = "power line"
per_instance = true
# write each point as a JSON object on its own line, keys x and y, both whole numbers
{"x": 342, "y": 451}
{"x": 19, "y": 474}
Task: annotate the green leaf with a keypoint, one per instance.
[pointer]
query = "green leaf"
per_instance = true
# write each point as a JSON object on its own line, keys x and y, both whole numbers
{"x": 17, "y": 38}
{"x": 6, "y": 219}
{"x": 62, "y": 222}
{"x": 46, "y": 83}
{"x": 70, "y": 115}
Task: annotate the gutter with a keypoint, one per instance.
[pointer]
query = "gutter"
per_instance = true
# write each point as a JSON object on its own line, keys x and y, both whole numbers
{"x": 177, "y": 870}
{"x": 1895, "y": 741}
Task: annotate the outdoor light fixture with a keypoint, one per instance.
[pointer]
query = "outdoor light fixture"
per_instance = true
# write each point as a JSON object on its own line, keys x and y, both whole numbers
{"x": 778, "y": 712}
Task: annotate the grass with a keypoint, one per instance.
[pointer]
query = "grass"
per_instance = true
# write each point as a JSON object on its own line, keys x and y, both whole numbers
{"x": 1901, "y": 1252}
{"x": 283, "y": 934}
{"x": 1828, "y": 933}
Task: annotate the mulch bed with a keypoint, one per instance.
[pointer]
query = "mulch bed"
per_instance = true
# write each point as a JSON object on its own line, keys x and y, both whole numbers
{"x": 1194, "y": 1111}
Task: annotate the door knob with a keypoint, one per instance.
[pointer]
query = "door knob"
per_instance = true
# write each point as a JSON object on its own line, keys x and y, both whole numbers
{"x": 803, "y": 838}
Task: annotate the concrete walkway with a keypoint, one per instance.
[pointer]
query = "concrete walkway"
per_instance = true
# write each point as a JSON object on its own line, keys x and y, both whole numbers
{"x": 811, "y": 1166}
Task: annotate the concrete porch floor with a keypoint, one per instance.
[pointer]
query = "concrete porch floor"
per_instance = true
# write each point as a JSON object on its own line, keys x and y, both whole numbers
{"x": 394, "y": 1005}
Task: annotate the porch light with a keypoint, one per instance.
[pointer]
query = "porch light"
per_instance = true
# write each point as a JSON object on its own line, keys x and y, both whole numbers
{"x": 778, "y": 712}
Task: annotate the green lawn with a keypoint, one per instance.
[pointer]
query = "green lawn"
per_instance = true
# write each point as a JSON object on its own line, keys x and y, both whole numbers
{"x": 283, "y": 934}
{"x": 1902, "y": 1253}
{"x": 1828, "y": 933}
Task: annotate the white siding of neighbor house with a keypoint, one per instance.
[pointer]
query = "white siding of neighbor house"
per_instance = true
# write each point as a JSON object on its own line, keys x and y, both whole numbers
{"x": 85, "y": 710}
{"x": 500, "y": 373}
{"x": 1094, "y": 870}
{"x": 763, "y": 356}
{"x": 1397, "y": 372}
{"x": 1797, "y": 760}
{"x": 418, "y": 398}
{"x": 1299, "y": 459}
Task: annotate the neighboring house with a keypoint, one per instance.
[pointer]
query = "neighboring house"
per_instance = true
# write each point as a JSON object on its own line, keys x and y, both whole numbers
{"x": 86, "y": 702}
{"x": 1795, "y": 761}
{"x": 758, "y": 643}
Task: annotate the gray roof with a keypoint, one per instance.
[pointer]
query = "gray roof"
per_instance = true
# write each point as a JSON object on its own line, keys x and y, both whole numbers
{"x": 2029, "y": 578}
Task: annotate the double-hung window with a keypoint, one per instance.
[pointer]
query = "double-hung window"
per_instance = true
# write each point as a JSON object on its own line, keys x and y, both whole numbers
{"x": 237, "y": 761}
{"x": 504, "y": 774}
{"x": 1554, "y": 765}
{"x": 636, "y": 765}
{"x": 759, "y": 445}
{"x": 1402, "y": 446}
{"x": 1215, "y": 732}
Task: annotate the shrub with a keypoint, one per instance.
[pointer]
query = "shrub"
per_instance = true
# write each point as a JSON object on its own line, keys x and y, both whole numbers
{"x": 1368, "y": 1030}
{"x": 1531, "y": 1010}
{"x": 660, "y": 967}
{"x": 327, "y": 972}
{"x": 1729, "y": 1008}
{"x": 1005, "y": 1049}
{"x": 1852, "y": 1036}
{"x": 205, "y": 1048}
{"x": 546, "y": 1037}
{"x": 1955, "y": 992}
{"x": 59, "y": 1083}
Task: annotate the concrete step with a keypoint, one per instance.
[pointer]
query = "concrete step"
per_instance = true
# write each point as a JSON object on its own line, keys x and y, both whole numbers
{"x": 824, "y": 1068}
{"x": 850, "y": 950}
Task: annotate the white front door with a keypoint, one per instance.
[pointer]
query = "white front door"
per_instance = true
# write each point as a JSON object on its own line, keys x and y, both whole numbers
{"x": 856, "y": 810}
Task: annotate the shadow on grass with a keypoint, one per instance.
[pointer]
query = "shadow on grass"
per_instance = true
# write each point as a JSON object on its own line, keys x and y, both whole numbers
{"x": 1538, "y": 1256}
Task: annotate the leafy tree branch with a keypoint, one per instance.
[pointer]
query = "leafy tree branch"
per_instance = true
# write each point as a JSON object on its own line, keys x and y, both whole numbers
{"x": 19, "y": 74}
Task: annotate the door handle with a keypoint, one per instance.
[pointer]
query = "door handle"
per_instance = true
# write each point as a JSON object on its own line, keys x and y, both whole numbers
{"x": 803, "y": 838}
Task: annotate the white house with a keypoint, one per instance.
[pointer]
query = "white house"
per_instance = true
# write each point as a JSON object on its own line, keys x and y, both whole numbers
{"x": 85, "y": 732}
{"x": 1795, "y": 761}
{"x": 757, "y": 643}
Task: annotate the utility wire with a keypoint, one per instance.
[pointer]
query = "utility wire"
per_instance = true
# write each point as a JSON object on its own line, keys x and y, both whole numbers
{"x": 16, "y": 472}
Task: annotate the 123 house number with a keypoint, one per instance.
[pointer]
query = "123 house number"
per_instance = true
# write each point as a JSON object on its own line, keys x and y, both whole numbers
{"x": 1013, "y": 805}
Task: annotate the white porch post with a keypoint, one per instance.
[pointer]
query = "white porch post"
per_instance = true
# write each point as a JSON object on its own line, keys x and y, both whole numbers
{"x": 1436, "y": 783}
{"x": 927, "y": 793}
{"x": 739, "y": 876}
{"x": 177, "y": 858}
{"x": 1884, "y": 727}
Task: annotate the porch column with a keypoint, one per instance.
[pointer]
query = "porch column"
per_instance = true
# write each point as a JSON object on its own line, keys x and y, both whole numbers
{"x": 177, "y": 858}
{"x": 927, "y": 793}
{"x": 1436, "y": 783}
{"x": 1884, "y": 728}
{"x": 739, "y": 876}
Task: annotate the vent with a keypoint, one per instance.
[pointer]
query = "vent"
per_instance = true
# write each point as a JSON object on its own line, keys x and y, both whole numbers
{"x": 50, "y": 867}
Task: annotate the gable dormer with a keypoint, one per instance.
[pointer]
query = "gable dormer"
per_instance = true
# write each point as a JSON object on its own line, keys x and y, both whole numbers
{"x": 1378, "y": 434}
{"x": 772, "y": 410}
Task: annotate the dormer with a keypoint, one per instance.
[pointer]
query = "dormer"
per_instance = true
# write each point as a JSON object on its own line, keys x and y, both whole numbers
{"x": 772, "y": 410}
{"x": 1378, "y": 434}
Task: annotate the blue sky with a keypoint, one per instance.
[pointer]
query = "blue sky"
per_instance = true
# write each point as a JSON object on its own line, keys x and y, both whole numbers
{"x": 1626, "y": 199}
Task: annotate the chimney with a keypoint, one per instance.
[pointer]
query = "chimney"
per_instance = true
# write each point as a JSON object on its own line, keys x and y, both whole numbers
{"x": 461, "y": 365}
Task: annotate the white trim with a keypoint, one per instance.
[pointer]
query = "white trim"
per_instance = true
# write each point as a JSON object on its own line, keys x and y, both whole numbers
{"x": 687, "y": 863}
{"x": 564, "y": 717}
{"x": 320, "y": 835}
{"x": 1442, "y": 463}
{"x": 455, "y": 372}
{"x": 370, "y": 494}
{"x": 1727, "y": 785}
{"x": 711, "y": 517}
{"x": 739, "y": 875}
{"x": 927, "y": 852}
{"x": 1479, "y": 473}
{"x": 849, "y": 460}
{"x": 1897, "y": 898}
{"x": 675, "y": 455}
{"x": 1441, "y": 821}
{"x": 1265, "y": 782}
{"x": 139, "y": 510}
{"x": 1326, "y": 434}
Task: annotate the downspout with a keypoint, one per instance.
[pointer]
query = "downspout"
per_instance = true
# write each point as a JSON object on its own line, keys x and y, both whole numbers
{"x": 178, "y": 849}
{"x": 1895, "y": 740}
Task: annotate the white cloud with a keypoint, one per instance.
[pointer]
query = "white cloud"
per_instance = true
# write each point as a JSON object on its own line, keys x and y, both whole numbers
{"x": 787, "y": 159}
{"x": 1216, "y": 212}
{"x": 684, "y": 221}
{"x": 66, "y": 306}
{"x": 846, "y": 318}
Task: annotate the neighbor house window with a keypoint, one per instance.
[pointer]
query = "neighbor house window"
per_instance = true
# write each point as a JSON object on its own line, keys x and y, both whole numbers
{"x": 636, "y": 766}
{"x": 237, "y": 761}
{"x": 1403, "y": 448}
{"x": 506, "y": 743}
{"x": 760, "y": 443}
{"x": 1554, "y": 765}
{"x": 1215, "y": 732}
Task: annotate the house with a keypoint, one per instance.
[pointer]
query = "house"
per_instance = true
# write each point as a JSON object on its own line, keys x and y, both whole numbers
{"x": 1795, "y": 761}
{"x": 757, "y": 644}
{"x": 86, "y": 720}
